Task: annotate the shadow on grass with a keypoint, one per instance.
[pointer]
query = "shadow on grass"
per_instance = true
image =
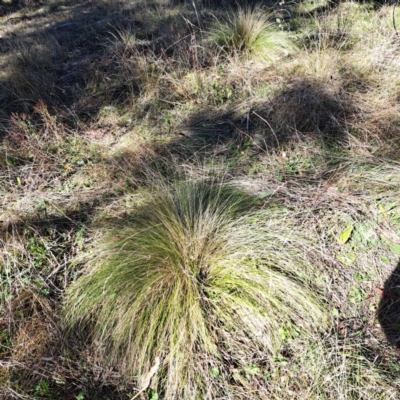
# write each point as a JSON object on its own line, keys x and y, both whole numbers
{"x": 40, "y": 263}
{"x": 11, "y": 6}
{"x": 305, "y": 111}
{"x": 64, "y": 53}
{"x": 304, "y": 108}
{"x": 389, "y": 308}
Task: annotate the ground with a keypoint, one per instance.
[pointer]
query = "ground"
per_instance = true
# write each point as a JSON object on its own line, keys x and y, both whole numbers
{"x": 103, "y": 100}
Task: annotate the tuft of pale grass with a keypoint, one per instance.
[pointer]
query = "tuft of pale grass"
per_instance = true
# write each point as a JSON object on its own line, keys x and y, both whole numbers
{"x": 322, "y": 63}
{"x": 187, "y": 279}
{"x": 249, "y": 34}
{"x": 124, "y": 40}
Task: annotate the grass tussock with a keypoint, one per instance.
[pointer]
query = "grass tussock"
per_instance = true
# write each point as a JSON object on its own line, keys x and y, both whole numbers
{"x": 248, "y": 33}
{"x": 192, "y": 280}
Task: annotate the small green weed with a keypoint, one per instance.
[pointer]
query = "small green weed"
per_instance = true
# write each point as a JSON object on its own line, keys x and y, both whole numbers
{"x": 42, "y": 389}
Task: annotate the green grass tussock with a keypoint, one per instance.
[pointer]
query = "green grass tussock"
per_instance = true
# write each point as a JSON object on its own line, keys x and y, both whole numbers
{"x": 188, "y": 279}
{"x": 249, "y": 34}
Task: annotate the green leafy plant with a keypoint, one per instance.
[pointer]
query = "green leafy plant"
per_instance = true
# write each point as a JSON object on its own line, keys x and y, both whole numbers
{"x": 42, "y": 389}
{"x": 249, "y": 33}
{"x": 214, "y": 372}
{"x": 184, "y": 278}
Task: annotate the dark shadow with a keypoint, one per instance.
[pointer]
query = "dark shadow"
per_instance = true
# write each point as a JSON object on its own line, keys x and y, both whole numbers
{"x": 12, "y": 6}
{"x": 67, "y": 61}
{"x": 389, "y": 308}
{"x": 303, "y": 108}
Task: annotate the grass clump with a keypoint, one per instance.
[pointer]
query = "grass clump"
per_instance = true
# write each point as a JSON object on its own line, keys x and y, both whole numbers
{"x": 249, "y": 34}
{"x": 187, "y": 281}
